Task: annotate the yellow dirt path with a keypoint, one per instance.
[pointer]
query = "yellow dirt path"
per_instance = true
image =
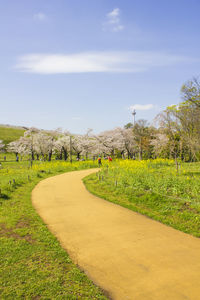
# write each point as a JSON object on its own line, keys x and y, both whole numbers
{"x": 127, "y": 254}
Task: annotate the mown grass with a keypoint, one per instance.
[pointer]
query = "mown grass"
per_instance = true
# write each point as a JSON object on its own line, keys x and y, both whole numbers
{"x": 33, "y": 265}
{"x": 153, "y": 188}
{"x": 9, "y": 134}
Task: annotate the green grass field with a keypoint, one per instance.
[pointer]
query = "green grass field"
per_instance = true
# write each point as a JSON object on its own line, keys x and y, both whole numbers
{"x": 153, "y": 188}
{"x": 33, "y": 264}
{"x": 9, "y": 134}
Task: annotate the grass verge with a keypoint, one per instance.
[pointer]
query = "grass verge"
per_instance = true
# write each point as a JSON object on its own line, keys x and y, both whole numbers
{"x": 168, "y": 210}
{"x": 33, "y": 265}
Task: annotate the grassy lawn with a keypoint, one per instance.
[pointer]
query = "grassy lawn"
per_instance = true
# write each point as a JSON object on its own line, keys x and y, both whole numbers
{"x": 154, "y": 189}
{"x": 9, "y": 134}
{"x": 33, "y": 264}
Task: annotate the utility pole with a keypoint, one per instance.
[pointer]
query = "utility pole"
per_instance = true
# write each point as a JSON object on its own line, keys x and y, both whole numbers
{"x": 133, "y": 113}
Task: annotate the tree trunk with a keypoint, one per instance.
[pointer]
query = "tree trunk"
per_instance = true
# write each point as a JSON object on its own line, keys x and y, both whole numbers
{"x": 50, "y": 155}
{"x": 65, "y": 154}
{"x": 60, "y": 157}
{"x": 32, "y": 155}
{"x": 140, "y": 153}
{"x": 176, "y": 162}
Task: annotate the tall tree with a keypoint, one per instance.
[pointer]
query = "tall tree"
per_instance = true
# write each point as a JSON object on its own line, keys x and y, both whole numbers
{"x": 190, "y": 91}
{"x": 142, "y": 137}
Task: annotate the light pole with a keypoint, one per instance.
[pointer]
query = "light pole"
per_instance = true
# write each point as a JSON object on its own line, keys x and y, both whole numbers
{"x": 133, "y": 113}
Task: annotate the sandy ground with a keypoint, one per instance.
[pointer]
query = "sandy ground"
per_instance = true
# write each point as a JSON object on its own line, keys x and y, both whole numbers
{"x": 128, "y": 255}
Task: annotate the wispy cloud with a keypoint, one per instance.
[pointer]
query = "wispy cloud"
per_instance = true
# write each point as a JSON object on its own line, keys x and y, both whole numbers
{"x": 142, "y": 107}
{"x": 113, "y": 21}
{"x": 40, "y": 17}
{"x": 87, "y": 62}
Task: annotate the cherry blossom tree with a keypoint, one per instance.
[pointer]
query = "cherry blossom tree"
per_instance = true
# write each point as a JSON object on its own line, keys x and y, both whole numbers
{"x": 107, "y": 140}
{"x": 84, "y": 144}
{"x": 129, "y": 143}
{"x": 62, "y": 145}
{"x": 20, "y": 146}
{"x": 159, "y": 143}
{"x": 118, "y": 139}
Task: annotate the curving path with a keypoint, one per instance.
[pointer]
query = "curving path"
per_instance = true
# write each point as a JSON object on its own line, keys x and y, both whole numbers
{"x": 128, "y": 255}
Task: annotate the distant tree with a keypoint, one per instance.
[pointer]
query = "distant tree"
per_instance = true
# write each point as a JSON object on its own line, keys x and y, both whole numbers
{"x": 29, "y": 140}
{"x": 142, "y": 136}
{"x": 129, "y": 143}
{"x": 35, "y": 142}
{"x": 62, "y": 145}
{"x": 108, "y": 141}
{"x": 85, "y": 144}
{"x": 43, "y": 144}
{"x": 77, "y": 145}
{"x": 190, "y": 91}
{"x": 159, "y": 143}
{"x": 20, "y": 146}
{"x": 170, "y": 124}
{"x": 128, "y": 125}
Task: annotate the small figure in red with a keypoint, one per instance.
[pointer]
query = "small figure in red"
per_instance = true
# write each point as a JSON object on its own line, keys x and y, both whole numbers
{"x": 99, "y": 161}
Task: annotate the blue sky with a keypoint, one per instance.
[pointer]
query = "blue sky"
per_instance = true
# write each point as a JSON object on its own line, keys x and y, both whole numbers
{"x": 86, "y": 63}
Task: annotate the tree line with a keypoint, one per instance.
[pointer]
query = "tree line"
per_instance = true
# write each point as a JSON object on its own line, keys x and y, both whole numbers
{"x": 175, "y": 133}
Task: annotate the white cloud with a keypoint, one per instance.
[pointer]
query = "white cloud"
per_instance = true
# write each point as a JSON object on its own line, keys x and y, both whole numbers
{"x": 142, "y": 107}
{"x": 40, "y": 16}
{"x": 113, "y": 22}
{"x": 117, "y": 28}
{"x": 87, "y": 62}
{"x": 114, "y": 13}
